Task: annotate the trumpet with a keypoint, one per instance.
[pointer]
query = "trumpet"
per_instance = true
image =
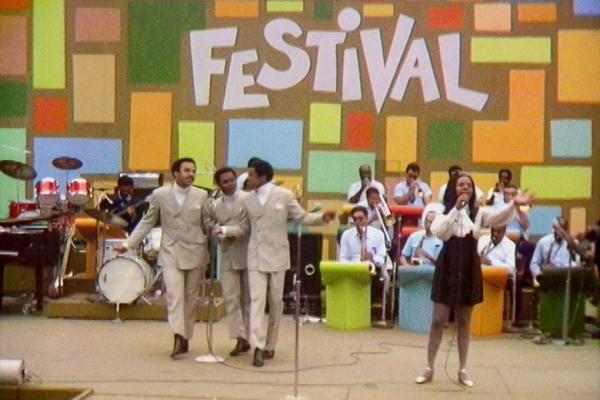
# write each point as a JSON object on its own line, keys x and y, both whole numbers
{"x": 388, "y": 216}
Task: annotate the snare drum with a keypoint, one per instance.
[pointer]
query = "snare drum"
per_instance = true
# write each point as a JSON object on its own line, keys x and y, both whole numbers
{"x": 79, "y": 191}
{"x": 47, "y": 192}
{"x": 17, "y": 208}
{"x": 124, "y": 279}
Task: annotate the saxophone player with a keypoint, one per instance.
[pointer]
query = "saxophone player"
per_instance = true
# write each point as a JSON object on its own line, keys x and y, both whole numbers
{"x": 422, "y": 246}
{"x": 363, "y": 242}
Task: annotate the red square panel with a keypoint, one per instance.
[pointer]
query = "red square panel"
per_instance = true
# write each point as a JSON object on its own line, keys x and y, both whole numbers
{"x": 50, "y": 115}
{"x": 14, "y": 4}
{"x": 360, "y": 131}
{"x": 446, "y": 17}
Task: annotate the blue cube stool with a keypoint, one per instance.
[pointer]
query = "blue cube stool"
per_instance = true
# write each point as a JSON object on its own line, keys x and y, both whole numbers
{"x": 415, "y": 307}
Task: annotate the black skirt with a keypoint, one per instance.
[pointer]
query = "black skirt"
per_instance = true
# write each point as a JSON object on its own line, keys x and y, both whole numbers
{"x": 457, "y": 279}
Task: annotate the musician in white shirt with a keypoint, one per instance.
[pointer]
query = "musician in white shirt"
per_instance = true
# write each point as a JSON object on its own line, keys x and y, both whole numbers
{"x": 412, "y": 191}
{"x": 497, "y": 250}
{"x": 552, "y": 250}
{"x": 358, "y": 190}
{"x": 362, "y": 243}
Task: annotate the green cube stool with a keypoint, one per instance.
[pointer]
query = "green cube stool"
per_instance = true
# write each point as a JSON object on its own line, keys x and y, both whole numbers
{"x": 348, "y": 291}
{"x": 552, "y": 297}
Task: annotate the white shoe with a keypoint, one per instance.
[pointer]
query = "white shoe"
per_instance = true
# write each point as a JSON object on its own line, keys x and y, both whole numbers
{"x": 463, "y": 377}
{"x": 425, "y": 377}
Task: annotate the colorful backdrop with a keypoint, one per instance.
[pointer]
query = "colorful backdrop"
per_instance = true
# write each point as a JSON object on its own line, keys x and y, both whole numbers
{"x": 316, "y": 87}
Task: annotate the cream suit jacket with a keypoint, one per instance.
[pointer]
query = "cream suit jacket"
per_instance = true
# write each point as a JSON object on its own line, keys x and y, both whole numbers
{"x": 183, "y": 243}
{"x": 268, "y": 248}
{"x": 225, "y": 212}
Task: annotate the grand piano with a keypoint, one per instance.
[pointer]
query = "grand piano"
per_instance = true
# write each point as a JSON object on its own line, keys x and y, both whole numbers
{"x": 31, "y": 246}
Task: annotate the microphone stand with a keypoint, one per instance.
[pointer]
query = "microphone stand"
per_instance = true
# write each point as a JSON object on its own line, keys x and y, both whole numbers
{"x": 297, "y": 291}
{"x": 383, "y": 323}
{"x": 211, "y": 357}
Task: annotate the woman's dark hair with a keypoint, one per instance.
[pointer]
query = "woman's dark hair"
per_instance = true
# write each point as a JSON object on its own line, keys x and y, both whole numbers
{"x": 450, "y": 195}
{"x": 263, "y": 168}
{"x": 221, "y": 171}
{"x": 176, "y": 167}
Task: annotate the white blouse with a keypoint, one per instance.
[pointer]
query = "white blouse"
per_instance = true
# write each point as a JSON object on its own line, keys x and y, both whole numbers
{"x": 457, "y": 222}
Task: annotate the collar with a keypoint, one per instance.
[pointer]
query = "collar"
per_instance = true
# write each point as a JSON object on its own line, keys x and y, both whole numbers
{"x": 265, "y": 189}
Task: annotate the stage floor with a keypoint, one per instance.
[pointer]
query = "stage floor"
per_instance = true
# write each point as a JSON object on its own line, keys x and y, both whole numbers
{"x": 131, "y": 361}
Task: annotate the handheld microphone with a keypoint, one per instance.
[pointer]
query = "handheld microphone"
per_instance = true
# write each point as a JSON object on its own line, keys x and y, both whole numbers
{"x": 316, "y": 208}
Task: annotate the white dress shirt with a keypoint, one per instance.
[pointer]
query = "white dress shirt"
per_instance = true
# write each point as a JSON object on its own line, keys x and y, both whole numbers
{"x": 350, "y": 245}
{"x": 180, "y": 193}
{"x": 262, "y": 193}
{"x": 550, "y": 253}
{"x": 402, "y": 188}
{"x": 500, "y": 255}
{"x": 355, "y": 187}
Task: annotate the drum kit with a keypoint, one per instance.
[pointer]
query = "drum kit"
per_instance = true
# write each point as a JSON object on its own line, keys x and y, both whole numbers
{"x": 119, "y": 279}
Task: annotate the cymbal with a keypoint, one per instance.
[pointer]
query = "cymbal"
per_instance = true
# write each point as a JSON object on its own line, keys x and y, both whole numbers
{"x": 17, "y": 170}
{"x": 107, "y": 217}
{"x": 67, "y": 163}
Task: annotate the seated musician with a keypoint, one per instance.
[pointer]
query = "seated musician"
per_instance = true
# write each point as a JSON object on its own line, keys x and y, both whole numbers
{"x": 552, "y": 251}
{"x": 497, "y": 250}
{"x": 363, "y": 242}
{"x": 495, "y": 195}
{"x": 412, "y": 191}
{"x": 377, "y": 211}
{"x": 423, "y": 247}
{"x": 358, "y": 190}
{"x": 124, "y": 203}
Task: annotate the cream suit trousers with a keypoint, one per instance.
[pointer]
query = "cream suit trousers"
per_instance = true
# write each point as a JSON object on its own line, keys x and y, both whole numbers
{"x": 182, "y": 286}
{"x": 237, "y": 302}
{"x": 259, "y": 282}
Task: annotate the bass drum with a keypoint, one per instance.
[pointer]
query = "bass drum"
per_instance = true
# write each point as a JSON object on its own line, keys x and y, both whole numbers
{"x": 123, "y": 279}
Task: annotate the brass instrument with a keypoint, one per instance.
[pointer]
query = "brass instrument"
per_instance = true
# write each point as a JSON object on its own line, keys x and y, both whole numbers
{"x": 363, "y": 243}
{"x": 388, "y": 216}
{"x": 416, "y": 259}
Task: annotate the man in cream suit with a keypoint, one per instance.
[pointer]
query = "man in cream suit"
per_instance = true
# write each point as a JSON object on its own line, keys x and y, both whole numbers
{"x": 183, "y": 254}
{"x": 227, "y": 210}
{"x": 267, "y": 210}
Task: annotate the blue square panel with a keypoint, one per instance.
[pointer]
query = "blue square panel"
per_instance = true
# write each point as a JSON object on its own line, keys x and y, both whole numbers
{"x": 571, "y": 138}
{"x": 275, "y": 140}
{"x": 99, "y": 156}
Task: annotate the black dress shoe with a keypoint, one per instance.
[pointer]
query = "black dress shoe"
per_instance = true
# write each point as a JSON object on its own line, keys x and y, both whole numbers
{"x": 180, "y": 346}
{"x": 241, "y": 346}
{"x": 268, "y": 354}
{"x": 258, "y": 358}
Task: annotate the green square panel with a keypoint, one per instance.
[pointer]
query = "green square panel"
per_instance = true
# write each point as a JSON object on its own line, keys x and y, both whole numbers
{"x": 335, "y": 171}
{"x": 13, "y": 100}
{"x": 446, "y": 140}
{"x": 323, "y": 10}
{"x": 155, "y": 33}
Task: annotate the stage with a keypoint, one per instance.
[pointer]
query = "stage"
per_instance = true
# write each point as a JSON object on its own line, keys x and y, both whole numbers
{"x": 131, "y": 361}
